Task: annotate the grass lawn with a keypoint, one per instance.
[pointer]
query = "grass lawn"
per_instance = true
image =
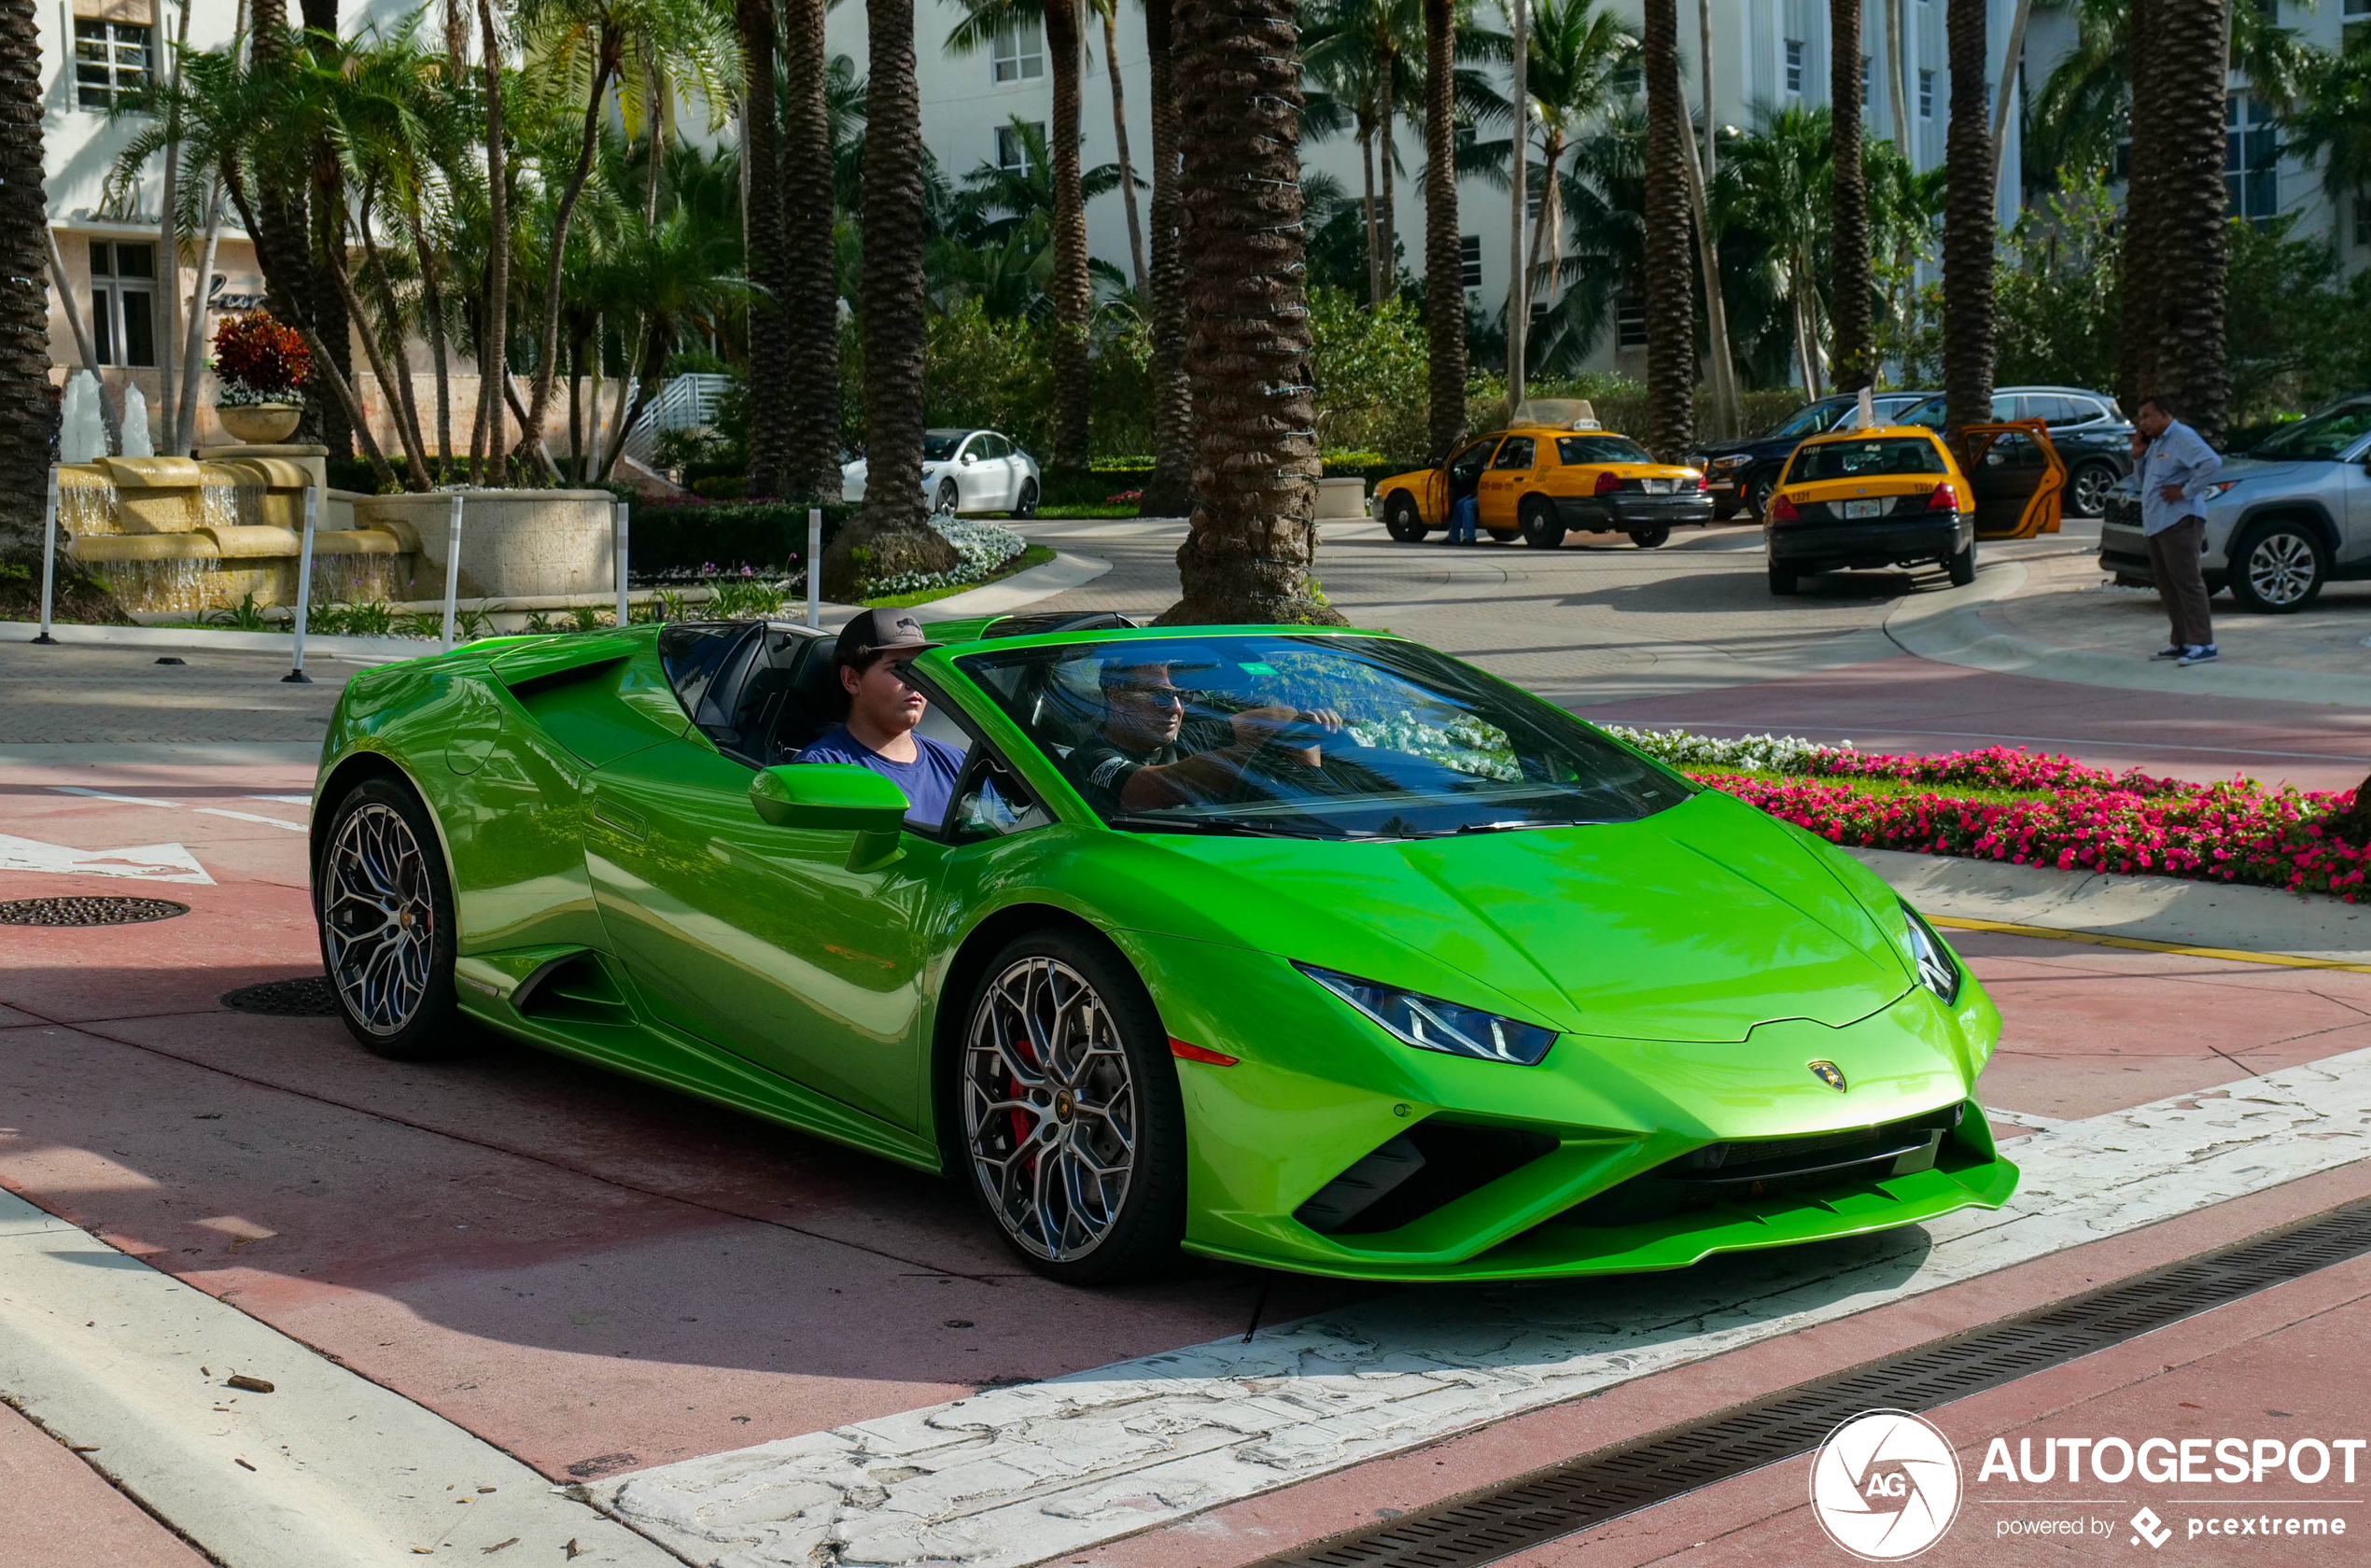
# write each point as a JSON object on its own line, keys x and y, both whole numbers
{"x": 1035, "y": 556}
{"x": 1097, "y": 510}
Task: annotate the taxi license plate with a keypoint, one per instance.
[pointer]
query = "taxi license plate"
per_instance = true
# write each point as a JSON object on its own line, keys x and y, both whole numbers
{"x": 1863, "y": 508}
{"x": 1658, "y": 488}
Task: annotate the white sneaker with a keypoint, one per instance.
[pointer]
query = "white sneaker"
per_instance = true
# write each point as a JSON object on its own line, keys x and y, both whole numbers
{"x": 2205, "y": 653}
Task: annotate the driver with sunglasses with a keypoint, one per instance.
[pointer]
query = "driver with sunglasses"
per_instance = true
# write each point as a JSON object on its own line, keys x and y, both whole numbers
{"x": 1136, "y": 762}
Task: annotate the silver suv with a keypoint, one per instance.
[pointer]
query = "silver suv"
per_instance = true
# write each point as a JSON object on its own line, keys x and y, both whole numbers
{"x": 2281, "y": 520}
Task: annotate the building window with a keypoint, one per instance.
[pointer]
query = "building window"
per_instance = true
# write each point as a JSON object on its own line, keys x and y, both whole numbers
{"x": 2251, "y": 158}
{"x": 123, "y": 303}
{"x": 1926, "y": 95}
{"x": 1630, "y": 322}
{"x": 1019, "y": 55}
{"x": 110, "y": 63}
{"x": 1469, "y": 261}
{"x": 1012, "y": 145}
{"x": 1794, "y": 67}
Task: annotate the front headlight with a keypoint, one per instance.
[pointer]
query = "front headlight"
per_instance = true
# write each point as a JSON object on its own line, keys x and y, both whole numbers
{"x": 1734, "y": 460}
{"x": 2214, "y": 491}
{"x": 1430, "y": 1024}
{"x": 1937, "y": 970}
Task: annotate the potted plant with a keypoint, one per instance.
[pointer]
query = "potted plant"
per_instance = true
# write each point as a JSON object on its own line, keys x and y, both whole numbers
{"x": 261, "y": 365}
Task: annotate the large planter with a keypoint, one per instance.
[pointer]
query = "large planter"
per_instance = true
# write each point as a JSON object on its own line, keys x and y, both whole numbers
{"x": 260, "y": 424}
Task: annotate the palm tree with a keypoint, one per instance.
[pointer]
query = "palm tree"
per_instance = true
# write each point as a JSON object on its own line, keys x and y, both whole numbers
{"x": 679, "y": 270}
{"x": 26, "y": 420}
{"x": 1670, "y": 299}
{"x": 765, "y": 261}
{"x": 1904, "y": 208}
{"x": 1444, "y": 266}
{"x": 2331, "y": 122}
{"x": 892, "y": 534}
{"x": 1772, "y": 185}
{"x": 1353, "y": 52}
{"x": 493, "y": 335}
{"x": 811, "y": 462}
{"x": 1599, "y": 186}
{"x": 1847, "y": 203}
{"x": 2192, "y": 244}
{"x": 1969, "y": 225}
{"x": 1171, "y": 490}
{"x": 2082, "y": 112}
{"x": 1107, "y": 12}
{"x": 1247, "y": 348}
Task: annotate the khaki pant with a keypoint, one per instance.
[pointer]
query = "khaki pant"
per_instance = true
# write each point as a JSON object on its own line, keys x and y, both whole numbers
{"x": 2173, "y": 561}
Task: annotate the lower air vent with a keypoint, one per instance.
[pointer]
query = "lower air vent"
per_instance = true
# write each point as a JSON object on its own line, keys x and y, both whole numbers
{"x": 1760, "y": 1168}
{"x": 575, "y": 989}
{"x": 1432, "y": 1164}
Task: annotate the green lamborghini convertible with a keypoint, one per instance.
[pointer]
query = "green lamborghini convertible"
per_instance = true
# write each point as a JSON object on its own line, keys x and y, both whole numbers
{"x": 1408, "y": 975}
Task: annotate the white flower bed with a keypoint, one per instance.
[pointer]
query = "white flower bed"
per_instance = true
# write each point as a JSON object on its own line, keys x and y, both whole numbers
{"x": 980, "y": 547}
{"x": 1761, "y": 753}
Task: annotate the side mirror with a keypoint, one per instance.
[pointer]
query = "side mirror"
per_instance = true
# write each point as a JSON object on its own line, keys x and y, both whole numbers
{"x": 966, "y": 459}
{"x": 833, "y": 795}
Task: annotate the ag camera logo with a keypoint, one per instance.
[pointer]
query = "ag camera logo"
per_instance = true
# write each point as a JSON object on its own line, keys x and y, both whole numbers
{"x": 1885, "y": 1486}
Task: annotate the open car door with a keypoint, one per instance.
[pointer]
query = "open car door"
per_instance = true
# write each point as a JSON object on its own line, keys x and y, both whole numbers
{"x": 2018, "y": 478}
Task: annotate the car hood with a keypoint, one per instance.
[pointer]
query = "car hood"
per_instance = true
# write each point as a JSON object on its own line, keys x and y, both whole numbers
{"x": 1696, "y": 924}
{"x": 2258, "y": 468}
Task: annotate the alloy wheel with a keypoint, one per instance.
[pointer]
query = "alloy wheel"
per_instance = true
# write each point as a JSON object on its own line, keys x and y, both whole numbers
{"x": 2091, "y": 487}
{"x": 1050, "y": 1110}
{"x": 378, "y": 919}
{"x": 2281, "y": 568}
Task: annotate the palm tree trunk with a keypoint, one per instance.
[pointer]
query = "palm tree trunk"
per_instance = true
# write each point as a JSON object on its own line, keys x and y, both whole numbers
{"x": 2192, "y": 255}
{"x": 1671, "y": 305}
{"x": 1897, "y": 84}
{"x": 1704, "y": 55}
{"x": 1119, "y": 142}
{"x": 2137, "y": 341}
{"x": 432, "y": 306}
{"x": 1367, "y": 170}
{"x": 812, "y": 310}
{"x": 547, "y": 337}
{"x": 193, "y": 333}
{"x": 330, "y": 318}
{"x": 893, "y": 533}
{"x": 1967, "y": 228}
{"x": 1170, "y": 492}
{"x": 770, "y": 362}
{"x": 169, "y": 269}
{"x": 1518, "y": 144}
{"x": 457, "y": 41}
{"x": 276, "y": 220}
{"x": 394, "y": 378}
{"x": 28, "y": 421}
{"x": 494, "y": 341}
{"x": 1254, "y": 535}
{"x": 1073, "y": 287}
{"x": 2005, "y": 100}
{"x": 1385, "y": 247}
{"x": 1444, "y": 267}
{"x": 1848, "y": 204}
{"x": 1727, "y": 404}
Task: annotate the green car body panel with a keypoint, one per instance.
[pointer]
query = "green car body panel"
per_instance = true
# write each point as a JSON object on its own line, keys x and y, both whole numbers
{"x": 619, "y": 899}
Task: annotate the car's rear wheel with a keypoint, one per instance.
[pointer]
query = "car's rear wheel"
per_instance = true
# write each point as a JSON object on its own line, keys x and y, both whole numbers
{"x": 1541, "y": 527}
{"x": 1652, "y": 538}
{"x": 1504, "y": 535}
{"x": 1072, "y": 1129}
{"x": 2087, "y": 490}
{"x": 2278, "y": 567}
{"x": 949, "y": 499}
{"x": 1783, "y": 580}
{"x": 1962, "y": 564}
{"x": 1027, "y": 505}
{"x": 384, "y": 907}
{"x": 1401, "y": 520}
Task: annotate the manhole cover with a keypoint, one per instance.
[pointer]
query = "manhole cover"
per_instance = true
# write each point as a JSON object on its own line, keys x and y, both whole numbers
{"x": 307, "y": 997}
{"x": 88, "y": 911}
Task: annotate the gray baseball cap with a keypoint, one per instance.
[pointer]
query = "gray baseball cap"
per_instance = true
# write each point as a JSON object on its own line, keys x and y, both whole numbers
{"x": 880, "y": 631}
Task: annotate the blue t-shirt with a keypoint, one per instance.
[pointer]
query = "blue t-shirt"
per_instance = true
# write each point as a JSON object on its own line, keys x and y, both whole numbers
{"x": 928, "y": 780}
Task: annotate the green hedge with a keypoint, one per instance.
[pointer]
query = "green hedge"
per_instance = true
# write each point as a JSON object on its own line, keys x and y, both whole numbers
{"x": 668, "y": 536}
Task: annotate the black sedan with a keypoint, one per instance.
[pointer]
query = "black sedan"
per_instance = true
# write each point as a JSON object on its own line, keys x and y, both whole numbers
{"x": 1739, "y": 474}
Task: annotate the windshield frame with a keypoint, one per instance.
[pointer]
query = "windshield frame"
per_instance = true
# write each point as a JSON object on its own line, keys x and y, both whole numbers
{"x": 953, "y": 440}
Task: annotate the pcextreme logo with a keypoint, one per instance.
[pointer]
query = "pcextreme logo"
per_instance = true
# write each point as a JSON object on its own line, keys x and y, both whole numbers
{"x": 1885, "y": 1486}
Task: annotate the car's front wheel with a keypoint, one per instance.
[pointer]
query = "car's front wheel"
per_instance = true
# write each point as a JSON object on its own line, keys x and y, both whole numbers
{"x": 2087, "y": 491}
{"x": 2278, "y": 567}
{"x": 1759, "y": 492}
{"x": 1027, "y": 505}
{"x": 1401, "y": 520}
{"x": 1072, "y": 1129}
{"x": 385, "y": 907}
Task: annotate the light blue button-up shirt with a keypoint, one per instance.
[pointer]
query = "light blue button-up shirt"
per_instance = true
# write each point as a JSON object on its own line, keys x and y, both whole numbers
{"x": 2179, "y": 456}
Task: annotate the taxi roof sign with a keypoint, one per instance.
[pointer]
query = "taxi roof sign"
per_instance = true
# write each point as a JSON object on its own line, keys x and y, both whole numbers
{"x": 1570, "y": 414}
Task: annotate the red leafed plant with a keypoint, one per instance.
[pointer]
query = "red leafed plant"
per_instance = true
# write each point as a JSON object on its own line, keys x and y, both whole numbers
{"x": 259, "y": 359}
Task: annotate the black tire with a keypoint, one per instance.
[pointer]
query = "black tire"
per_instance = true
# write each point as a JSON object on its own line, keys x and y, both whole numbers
{"x": 1783, "y": 581}
{"x": 1758, "y": 489}
{"x": 1723, "y": 511}
{"x": 1962, "y": 567}
{"x": 1650, "y": 538}
{"x": 1401, "y": 519}
{"x": 1136, "y": 1237}
{"x": 949, "y": 498}
{"x": 1027, "y": 505}
{"x": 2278, "y": 567}
{"x": 1542, "y": 529}
{"x": 2087, "y": 489}
{"x": 394, "y": 989}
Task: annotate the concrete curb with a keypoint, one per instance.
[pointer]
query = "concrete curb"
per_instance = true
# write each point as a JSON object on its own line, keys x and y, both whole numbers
{"x": 2145, "y": 908}
{"x": 1060, "y": 575}
{"x": 127, "y": 1365}
{"x": 350, "y": 650}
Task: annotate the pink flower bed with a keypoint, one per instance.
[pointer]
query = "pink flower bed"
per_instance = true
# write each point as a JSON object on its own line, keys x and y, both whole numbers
{"x": 2236, "y": 831}
{"x": 1995, "y": 767}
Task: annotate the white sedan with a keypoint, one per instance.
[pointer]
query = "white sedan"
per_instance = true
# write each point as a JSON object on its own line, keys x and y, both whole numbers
{"x": 965, "y": 470}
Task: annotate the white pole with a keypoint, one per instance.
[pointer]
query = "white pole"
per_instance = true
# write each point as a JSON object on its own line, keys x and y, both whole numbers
{"x": 815, "y": 567}
{"x": 48, "y": 557}
{"x": 304, "y": 584}
{"x": 1868, "y": 411}
{"x": 619, "y": 520}
{"x": 452, "y": 568}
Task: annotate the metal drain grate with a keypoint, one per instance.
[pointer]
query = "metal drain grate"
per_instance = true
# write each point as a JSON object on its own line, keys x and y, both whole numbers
{"x": 308, "y": 997}
{"x": 1588, "y": 1492}
{"x": 88, "y": 911}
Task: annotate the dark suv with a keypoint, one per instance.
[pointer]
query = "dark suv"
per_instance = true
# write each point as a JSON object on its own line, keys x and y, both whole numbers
{"x": 2089, "y": 430}
{"x": 1741, "y": 474}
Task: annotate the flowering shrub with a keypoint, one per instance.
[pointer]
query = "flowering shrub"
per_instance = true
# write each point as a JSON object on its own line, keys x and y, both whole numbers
{"x": 1994, "y": 767}
{"x": 260, "y": 361}
{"x": 980, "y": 547}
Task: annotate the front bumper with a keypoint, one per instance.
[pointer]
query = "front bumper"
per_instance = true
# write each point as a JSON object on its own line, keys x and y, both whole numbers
{"x": 1317, "y": 1090}
{"x": 1881, "y": 544}
{"x": 2125, "y": 551}
{"x": 1623, "y": 511}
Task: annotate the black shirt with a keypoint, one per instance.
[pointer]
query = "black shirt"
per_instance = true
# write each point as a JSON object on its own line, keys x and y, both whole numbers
{"x": 1101, "y": 769}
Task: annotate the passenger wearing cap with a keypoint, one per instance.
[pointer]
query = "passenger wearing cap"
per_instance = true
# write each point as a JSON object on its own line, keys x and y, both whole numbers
{"x": 882, "y": 710}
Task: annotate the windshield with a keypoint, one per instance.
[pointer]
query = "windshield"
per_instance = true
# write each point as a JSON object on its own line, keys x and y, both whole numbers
{"x": 1807, "y": 421}
{"x": 2319, "y": 437}
{"x": 1310, "y": 736}
{"x": 939, "y": 445}
{"x": 1864, "y": 459}
{"x": 1600, "y": 449}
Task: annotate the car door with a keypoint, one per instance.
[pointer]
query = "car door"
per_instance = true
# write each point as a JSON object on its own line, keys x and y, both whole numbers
{"x": 2018, "y": 479}
{"x": 992, "y": 466}
{"x": 767, "y": 942}
{"x": 1464, "y": 475}
{"x": 1504, "y": 482}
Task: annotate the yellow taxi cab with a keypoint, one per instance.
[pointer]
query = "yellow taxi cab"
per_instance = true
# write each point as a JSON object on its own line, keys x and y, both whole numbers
{"x": 1897, "y": 495}
{"x": 1554, "y": 471}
